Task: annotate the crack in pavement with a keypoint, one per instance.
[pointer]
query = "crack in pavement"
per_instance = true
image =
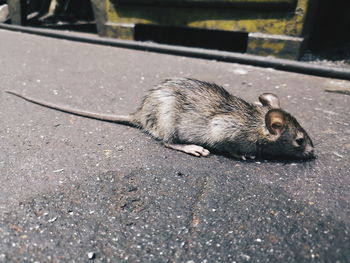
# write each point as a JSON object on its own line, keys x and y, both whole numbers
{"x": 193, "y": 220}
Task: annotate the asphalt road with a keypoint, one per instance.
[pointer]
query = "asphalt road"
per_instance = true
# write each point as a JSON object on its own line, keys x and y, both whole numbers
{"x": 79, "y": 190}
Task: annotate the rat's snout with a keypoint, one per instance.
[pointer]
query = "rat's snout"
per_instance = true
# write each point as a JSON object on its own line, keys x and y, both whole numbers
{"x": 309, "y": 152}
{"x": 310, "y": 155}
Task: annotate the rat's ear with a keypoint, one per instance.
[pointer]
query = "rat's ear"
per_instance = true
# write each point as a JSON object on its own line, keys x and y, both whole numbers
{"x": 275, "y": 121}
{"x": 270, "y": 100}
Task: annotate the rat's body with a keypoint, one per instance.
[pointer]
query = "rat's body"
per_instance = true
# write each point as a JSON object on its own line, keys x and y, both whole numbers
{"x": 188, "y": 114}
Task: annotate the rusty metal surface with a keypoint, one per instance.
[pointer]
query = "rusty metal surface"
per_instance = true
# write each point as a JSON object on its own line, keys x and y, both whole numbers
{"x": 278, "y": 46}
{"x": 271, "y": 22}
{"x": 17, "y": 12}
{"x": 117, "y": 19}
{"x": 121, "y": 17}
{"x": 245, "y": 4}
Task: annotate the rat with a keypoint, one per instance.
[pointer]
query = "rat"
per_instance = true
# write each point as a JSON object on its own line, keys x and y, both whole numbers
{"x": 196, "y": 116}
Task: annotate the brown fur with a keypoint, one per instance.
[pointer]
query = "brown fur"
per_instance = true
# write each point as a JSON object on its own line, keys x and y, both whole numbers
{"x": 188, "y": 111}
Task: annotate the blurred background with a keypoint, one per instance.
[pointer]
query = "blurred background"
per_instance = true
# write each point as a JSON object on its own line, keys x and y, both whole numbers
{"x": 306, "y": 30}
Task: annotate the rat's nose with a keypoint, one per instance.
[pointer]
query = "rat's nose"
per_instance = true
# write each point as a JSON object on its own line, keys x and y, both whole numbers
{"x": 309, "y": 154}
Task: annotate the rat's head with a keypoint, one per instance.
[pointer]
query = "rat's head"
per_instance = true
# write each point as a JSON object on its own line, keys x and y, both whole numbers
{"x": 286, "y": 137}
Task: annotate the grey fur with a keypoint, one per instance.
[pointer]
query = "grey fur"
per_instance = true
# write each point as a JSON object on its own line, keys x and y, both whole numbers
{"x": 188, "y": 114}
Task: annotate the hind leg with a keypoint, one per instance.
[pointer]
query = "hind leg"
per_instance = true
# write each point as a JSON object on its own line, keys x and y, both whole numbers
{"x": 192, "y": 149}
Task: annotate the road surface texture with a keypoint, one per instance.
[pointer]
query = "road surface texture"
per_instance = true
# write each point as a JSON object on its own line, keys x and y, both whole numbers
{"x": 80, "y": 190}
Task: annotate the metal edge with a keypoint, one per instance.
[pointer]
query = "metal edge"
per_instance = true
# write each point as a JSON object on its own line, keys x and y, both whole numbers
{"x": 269, "y": 62}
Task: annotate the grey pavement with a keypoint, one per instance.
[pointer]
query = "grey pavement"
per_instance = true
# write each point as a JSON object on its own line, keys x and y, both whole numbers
{"x": 79, "y": 190}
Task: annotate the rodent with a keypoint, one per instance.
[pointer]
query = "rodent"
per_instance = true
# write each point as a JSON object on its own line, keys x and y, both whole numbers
{"x": 193, "y": 116}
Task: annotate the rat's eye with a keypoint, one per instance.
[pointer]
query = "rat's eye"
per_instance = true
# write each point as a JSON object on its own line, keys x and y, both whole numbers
{"x": 277, "y": 126}
{"x": 299, "y": 141}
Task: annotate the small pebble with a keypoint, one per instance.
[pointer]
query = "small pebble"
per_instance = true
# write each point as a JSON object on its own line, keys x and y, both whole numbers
{"x": 132, "y": 188}
{"x": 91, "y": 255}
{"x": 120, "y": 148}
{"x": 337, "y": 154}
{"x": 246, "y": 257}
{"x": 240, "y": 71}
{"x": 53, "y": 219}
{"x": 180, "y": 173}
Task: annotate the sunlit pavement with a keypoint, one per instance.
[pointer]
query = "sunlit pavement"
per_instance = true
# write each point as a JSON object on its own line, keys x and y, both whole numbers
{"x": 75, "y": 189}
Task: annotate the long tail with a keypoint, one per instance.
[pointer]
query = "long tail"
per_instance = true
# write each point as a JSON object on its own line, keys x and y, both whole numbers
{"x": 121, "y": 119}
